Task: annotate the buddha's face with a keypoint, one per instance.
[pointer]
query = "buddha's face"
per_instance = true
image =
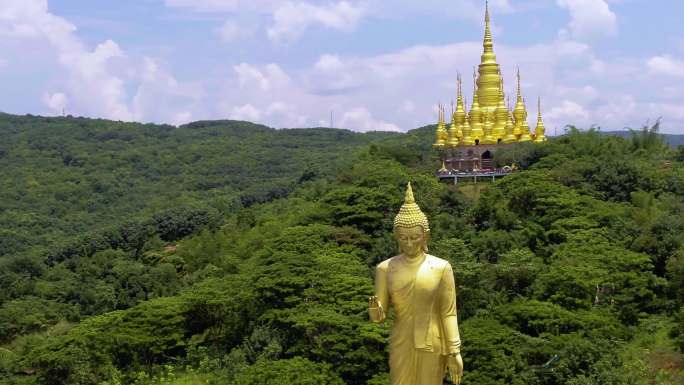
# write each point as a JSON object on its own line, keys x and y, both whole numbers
{"x": 411, "y": 240}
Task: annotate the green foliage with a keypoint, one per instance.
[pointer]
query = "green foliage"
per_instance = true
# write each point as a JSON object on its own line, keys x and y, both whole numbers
{"x": 677, "y": 332}
{"x": 295, "y": 371}
{"x": 364, "y": 208}
{"x": 561, "y": 269}
{"x": 91, "y": 210}
{"x": 176, "y": 223}
{"x": 496, "y": 354}
{"x": 89, "y": 352}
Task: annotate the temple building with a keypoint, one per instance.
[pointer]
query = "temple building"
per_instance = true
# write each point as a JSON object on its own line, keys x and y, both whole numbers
{"x": 468, "y": 142}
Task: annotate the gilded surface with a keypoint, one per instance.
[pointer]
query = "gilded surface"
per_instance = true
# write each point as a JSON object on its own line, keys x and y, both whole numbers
{"x": 424, "y": 342}
{"x": 488, "y": 118}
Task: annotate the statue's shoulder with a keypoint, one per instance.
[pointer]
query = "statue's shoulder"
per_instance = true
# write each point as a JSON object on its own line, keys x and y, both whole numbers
{"x": 437, "y": 262}
{"x": 384, "y": 265}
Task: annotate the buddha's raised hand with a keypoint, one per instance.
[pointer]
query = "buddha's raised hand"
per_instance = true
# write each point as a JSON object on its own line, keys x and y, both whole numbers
{"x": 375, "y": 310}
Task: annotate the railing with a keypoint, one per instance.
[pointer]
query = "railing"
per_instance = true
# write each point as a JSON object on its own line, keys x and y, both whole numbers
{"x": 475, "y": 175}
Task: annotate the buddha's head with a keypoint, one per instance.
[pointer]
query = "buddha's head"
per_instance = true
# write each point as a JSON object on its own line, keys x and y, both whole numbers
{"x": 411, "y": 227}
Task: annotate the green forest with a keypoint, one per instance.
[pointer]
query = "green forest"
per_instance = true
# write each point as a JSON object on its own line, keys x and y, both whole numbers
{"x": 224, "y": 252}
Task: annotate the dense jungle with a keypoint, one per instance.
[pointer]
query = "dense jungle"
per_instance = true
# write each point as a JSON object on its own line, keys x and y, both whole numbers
{"x": 224, "y": 252}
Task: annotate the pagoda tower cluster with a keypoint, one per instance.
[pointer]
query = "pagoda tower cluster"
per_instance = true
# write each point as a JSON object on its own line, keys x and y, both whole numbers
{"x": 490, "y": 120}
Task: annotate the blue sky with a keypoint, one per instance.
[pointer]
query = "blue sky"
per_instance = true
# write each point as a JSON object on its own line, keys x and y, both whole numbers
{"x": 373, "y": 64}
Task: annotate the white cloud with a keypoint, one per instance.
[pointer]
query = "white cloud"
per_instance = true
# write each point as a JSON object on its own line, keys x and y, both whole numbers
{"x": 246, "y": 112}
{"x": 261, "y": 78}
{"x": 585, "y": 94}
{"x": 589, "y": 19}
{"x": 389, "y": 91}
{"x": 408, "y": 106}
{"x": 567, "y": 112}
{"x": 666, "y": 65}
{"x": 619, "y": 111}
{"x": 287, "y": 114}
{"x": 669, "y": 111}
{"x": 472, "y": 10}
{"x": 57, "y": 101}
{"x": 231, "y": 31}
{"x": 360, "y": 119}
{"x": 270, "y": 96}
{"x": 330, "y": 75}
{"x": 93, "y": 86}
{"x": 94, "y": 89}
{"x": 277, "y": 113}
{"x": 182, "y": 117}
{"x": 160, "y": 97}
{"x": 223, "y": 5}
{"x": 291, "y": 19}
{"x": 399, "y": 89}
{"x": 99, "y": 81}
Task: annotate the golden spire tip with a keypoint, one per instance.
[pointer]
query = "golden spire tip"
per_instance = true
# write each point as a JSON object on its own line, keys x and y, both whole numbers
{"x": 539, "y": 106}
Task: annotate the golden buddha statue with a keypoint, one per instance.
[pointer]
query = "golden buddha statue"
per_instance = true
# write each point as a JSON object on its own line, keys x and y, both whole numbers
{"x": 424, "y": 342}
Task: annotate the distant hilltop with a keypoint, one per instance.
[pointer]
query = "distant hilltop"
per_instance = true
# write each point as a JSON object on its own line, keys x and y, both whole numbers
{"x": 673, "y": 140}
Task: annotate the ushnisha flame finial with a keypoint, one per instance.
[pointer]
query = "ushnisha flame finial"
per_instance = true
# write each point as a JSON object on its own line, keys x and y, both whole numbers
{"x": 408, "y": 198}
{"x": 410, "y": 214}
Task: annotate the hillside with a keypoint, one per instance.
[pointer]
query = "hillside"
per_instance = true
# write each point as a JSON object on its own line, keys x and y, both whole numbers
{"x": 673, "y": 140}
{"x": 65, "y": 176}
{"x": 568, "y": 272}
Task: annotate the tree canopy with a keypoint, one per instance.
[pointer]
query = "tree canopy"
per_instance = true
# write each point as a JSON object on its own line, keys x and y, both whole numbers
{"x": 568, "y": 272}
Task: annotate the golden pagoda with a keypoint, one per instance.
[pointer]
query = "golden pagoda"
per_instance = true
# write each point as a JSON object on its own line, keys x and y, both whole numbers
{"x": 488, "y": 131}
{"x": 453, "y": 130}
{"x": 474, "y": 135}
{"x": 442, "y": 135}
{"x": 467, "y": 139}
{"x": 539, "y": 131}
{"x": 476, "y": 120}
{"x": 489, "y": 77}
{"x": 501, "y": 115}
{"x": 510, "y": 127}
{"x": 459, "y": 116}
{"x": 522, "y": 128}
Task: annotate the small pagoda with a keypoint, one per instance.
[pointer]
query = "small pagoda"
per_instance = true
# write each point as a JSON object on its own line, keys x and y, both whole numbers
{"x": 467, "y": 144}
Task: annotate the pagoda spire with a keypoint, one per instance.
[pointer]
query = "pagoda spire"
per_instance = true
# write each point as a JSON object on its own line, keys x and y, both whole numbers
{"x": 525, "y": 129}
{"x": 488, "y": 39}
{"x": 459, "y": 90}
{"x": 453, "y": 131}
{"x": 443, "y": 169}
{"x": 520, "y": 113}
{"x": 441, "y": 134}
{"x": 476, "y": 131}
{"x": 467, "y": 139}
{"x": 539, "y": 132}
{"x": 510, "y": 135}
{"x": 500, "y": 115}
{"x": 517, "y": 76}
{"x": 489, "y": 73}
{"x": 460, "y": 112}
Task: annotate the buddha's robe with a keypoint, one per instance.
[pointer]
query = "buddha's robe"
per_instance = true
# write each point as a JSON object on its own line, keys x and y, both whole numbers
{"x": 425, "y": 328}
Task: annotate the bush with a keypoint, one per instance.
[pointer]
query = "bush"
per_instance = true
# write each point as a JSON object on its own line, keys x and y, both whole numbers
{"x": 295, "y": 371}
